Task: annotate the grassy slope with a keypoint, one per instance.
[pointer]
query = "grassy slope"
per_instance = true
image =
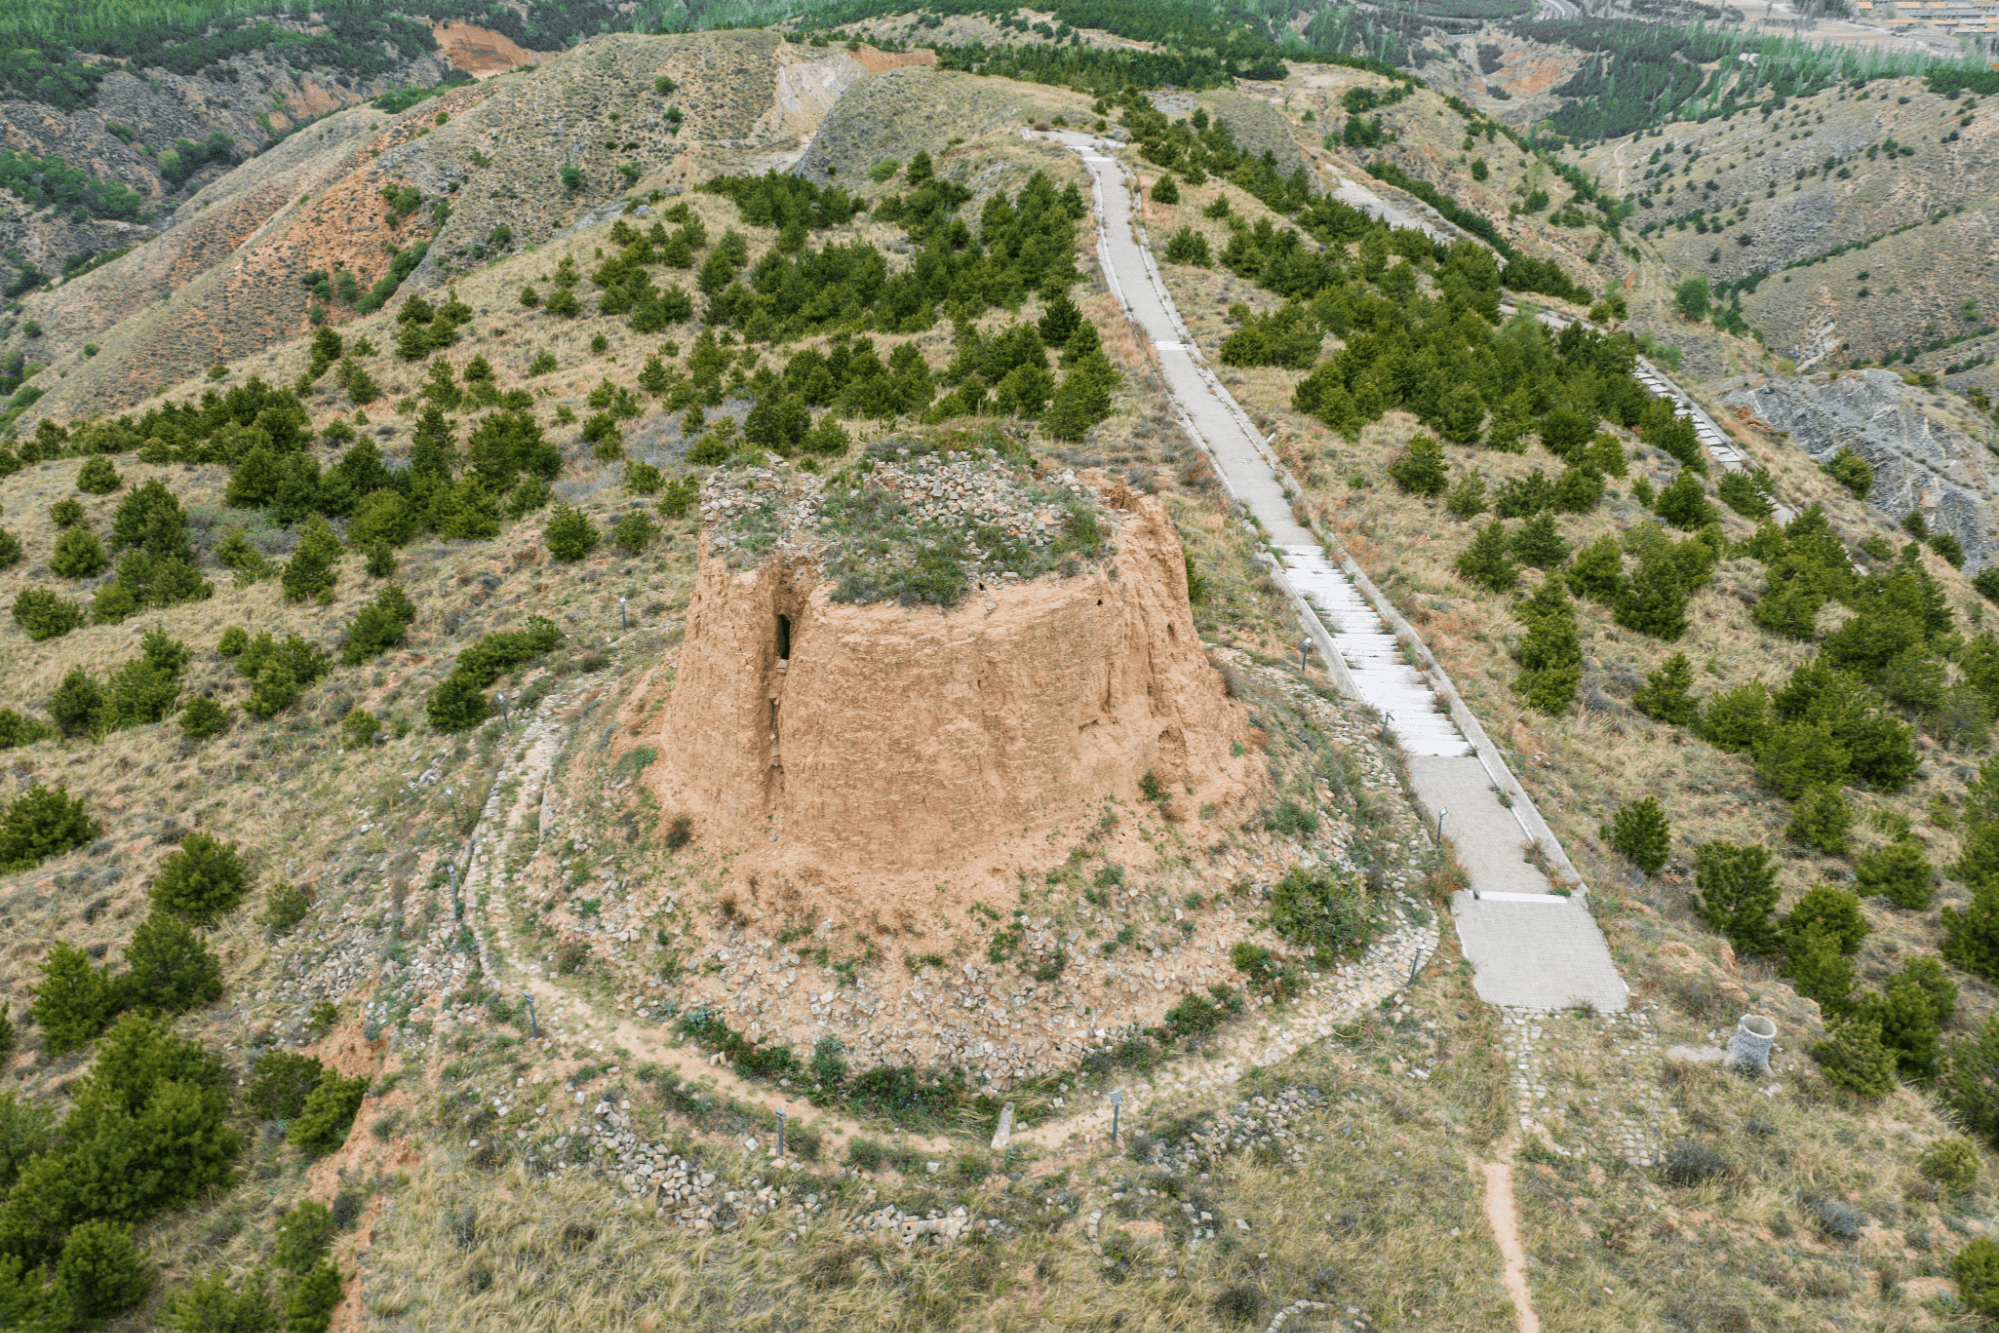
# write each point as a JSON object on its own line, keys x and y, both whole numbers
{"x": 1917, "y": 281}
{"x": 368, "y": 839}
{"x": 1581, "y": 767}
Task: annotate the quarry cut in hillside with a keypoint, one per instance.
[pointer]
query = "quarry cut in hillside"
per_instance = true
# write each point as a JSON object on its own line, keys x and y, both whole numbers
{"x": 844, "y": 740}
{"x": 1918, "y": 442}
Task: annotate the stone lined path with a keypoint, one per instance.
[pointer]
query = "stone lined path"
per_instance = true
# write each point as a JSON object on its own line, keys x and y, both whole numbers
{"x": 1531, "y": 946}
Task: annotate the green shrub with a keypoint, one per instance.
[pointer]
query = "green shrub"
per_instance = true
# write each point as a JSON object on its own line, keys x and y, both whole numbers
{"x": 66, "y": 513}
{"x": 1911, "y": 1028}
{"x": 1798, "y": 756}
{"x": 78, "y": 555}
{"x": 203, "y": 718}
{"x": 1737, "y": 720}
{"x": 1539, "y": 542}
{"x": 359, "y": 729}
{"x": 1598, "y": 570}
{"x": 311, "y": 572}
{"x": 11, "y": 550}
{"x": 1851, "y": 471}
{"x": 570, "y": 535}
{"x": 1853, "y": 1057}
{"x": 310, "y": 1304}
{"x": 459, "y": 701}
{"x": 1420, "y": 470}
{"x": 1642, "y": 835}
{"x": 1550, "y": 652}
{"x": 78, "y": 704}
{"x": 1684, "y": 504}
{"x": 1187, "y": 246}
{"x": 101, "y": 1272}
{"x": 1488, "y": 561}
{"x": 42, "y": 822}
{"x": 1164, "y": 190}
{"x": 1971, "y": 937}
{"x": 378, "y": 626}
{"x": 1747, "y": 493}
{"x": 1834, "y": 911}
{"x": 202, "y": 880}
{"x": 1466, "y": 498}
{"x": 98, "y": 477}
{"x": 1822, "y": 819}
{"x": 210, "y": 1305}
{"x": 1664, "y": 695}
{"x": 1820, "y": 972}
{"x": 328, "y": 1113}
{"x": 233, "y": 641}
{"x": 1898, "y": 872}
{"x": 1952, "y": 1163}
{"x": 16, "y": 729}
{"x": 44, "y": 615}
{"x": 280, "y": 1084}
{"x": 74, "y": 1000}
{"x": 285, "y": 905}
{"x": 633, "y": 533}
{"x": 305, "y": 1234}
{"x": 1318, "y": 909}
{"x": 1737, "y": 891}
{"x": 168, "y": 968}
{"x": 1653, "y": 601}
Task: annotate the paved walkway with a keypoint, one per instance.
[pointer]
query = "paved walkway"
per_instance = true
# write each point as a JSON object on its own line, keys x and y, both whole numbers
{"x": 1531, "y": 947}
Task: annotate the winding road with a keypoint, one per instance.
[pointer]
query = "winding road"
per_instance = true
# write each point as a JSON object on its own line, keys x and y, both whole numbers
{"x": 1533, "y": 944}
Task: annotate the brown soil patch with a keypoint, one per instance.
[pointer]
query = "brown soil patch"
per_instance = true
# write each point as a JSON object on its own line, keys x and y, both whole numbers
{"x": 1535, "y": 76}
{"x": 481, "y": 52}
{"x": 898, "y": 747}
{"x": 874, "y": 61}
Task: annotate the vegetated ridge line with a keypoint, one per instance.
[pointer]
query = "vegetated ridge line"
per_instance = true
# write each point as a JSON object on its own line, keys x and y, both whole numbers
{"x": 1530, "y": 947}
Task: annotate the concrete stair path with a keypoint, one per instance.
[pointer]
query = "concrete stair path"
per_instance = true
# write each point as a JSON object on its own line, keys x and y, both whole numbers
{"x": 1530, "y": 946}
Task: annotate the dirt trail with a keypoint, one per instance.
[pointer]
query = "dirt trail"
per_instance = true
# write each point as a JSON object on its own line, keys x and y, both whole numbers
{"x": 518, "y": 793}
{"x": 1503, "y": 1214}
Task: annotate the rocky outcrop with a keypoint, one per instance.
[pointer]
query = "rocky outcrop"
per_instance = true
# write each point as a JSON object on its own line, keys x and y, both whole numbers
{"x": 1918, "y": 442}
{"x": 852, "y": 744}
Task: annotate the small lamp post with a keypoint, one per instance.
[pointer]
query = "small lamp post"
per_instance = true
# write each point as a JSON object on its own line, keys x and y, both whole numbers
{"x": 621, "y": 611}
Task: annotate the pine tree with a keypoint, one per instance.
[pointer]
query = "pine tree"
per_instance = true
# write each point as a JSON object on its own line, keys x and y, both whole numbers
{"x": 1420, "y": 470}
{"x": 1539, "y": 542}
{"x": 1971, "y": 937}
{"x": 1737, "y": 720}
{"x": 1653, "y": 601}
{"x": 1737, "y": 891}
{"x": 1550, "y": 652}
{"x": 74, "y": 1000}
{"x": 1910, "y": 1026}
{"x": 169, "y": 969}
{"x": 1598, "y": 571}
{"x": 1684, "y": 504}
{"x": 1664, "y": 695}
{"x": 1059, "y": 320}
{"x": 1642, "y": 835}
{"x": 1833, "y": 911}
{"x": 1898, "y": 872}
{"x": 1854, "y": 1058}
{"x": 1488, "y": 561}
{"x": 203, "y": 879}
{"x": 1466, "y": 498}
{"x": 1820, "y": 971}
{"x": 1823, "y": 820}
{"x": 311, "y": 572}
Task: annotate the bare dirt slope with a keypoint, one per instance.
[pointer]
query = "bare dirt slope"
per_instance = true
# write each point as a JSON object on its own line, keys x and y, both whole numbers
{"x": 224, "y": 282}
